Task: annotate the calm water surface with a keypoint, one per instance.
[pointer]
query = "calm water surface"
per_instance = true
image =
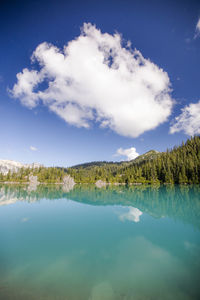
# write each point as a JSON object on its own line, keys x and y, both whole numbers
{"x": 100, "y": 244}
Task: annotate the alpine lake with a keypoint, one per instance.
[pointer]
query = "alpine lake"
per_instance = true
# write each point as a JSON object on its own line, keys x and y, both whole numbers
{"x": 89, "y": 243}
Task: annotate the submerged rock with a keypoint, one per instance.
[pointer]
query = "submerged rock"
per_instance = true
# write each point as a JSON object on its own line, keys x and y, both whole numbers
{"x": 101, "y": 291}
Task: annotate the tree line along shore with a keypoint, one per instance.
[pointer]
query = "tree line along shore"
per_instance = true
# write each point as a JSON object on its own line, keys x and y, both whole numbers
{"x": 180, "y": 165}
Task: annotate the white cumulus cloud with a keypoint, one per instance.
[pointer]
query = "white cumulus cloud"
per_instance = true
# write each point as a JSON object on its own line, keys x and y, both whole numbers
{"x": 32, "y": 148}
{"x": 96, "y": 78}
{"x": 129, "y": 153}
{"x": 197, "y": 29}
{"x": 188, "y": 121}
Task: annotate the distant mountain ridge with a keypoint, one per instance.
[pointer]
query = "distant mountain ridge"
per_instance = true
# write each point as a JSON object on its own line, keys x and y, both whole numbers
{"x": 146, "y": 156}
{"x": 14, "y": 166}
{"x": 179, "y": 165}
{"x": 151, "y": 154}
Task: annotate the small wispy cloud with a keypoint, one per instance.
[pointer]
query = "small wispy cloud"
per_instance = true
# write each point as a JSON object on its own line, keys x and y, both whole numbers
{"x": 197, "y": 31}
{"x": 32, "y": 148}
{"x": 129, "y": 153}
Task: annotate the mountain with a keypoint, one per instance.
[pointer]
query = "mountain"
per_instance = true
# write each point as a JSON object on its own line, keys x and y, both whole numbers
{"x": 14, "y": 166}
{"x": 94, "y": 164}
{"x": 152, "y": 154}
{"x": 180, "y": 165}
{"x": 144, "y": 157}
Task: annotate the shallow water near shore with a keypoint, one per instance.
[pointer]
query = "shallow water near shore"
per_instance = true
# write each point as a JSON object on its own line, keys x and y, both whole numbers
{"x": 89, "y": 243}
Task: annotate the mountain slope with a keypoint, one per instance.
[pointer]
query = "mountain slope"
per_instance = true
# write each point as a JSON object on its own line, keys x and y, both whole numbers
{"x": 152, "y": 154}
{"x": 180, "y": 165}
{"x": 14, "y": 166}
{"x": 144, "y": 157}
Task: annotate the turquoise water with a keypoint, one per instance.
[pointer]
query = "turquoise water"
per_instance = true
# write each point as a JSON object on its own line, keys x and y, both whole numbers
{"x": 95, "y": 244}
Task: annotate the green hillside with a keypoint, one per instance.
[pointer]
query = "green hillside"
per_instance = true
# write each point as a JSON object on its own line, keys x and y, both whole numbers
{"x": 179, "y": 165}
{"x": 144, "y": 157}
{"x": 152, "y": 154}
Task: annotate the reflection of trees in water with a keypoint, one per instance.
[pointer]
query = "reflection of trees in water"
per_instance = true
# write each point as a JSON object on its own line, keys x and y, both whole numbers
{"x": 177, "y": 202}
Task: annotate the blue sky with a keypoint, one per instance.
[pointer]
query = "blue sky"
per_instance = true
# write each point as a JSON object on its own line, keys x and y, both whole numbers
{"x": 98, "y": 103}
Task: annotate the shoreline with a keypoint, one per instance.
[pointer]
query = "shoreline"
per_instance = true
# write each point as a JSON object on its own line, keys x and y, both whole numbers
{"x": 107, "y": 184}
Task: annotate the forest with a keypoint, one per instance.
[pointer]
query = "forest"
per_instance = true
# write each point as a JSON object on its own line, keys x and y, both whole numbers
{"x": 180, "y": 165}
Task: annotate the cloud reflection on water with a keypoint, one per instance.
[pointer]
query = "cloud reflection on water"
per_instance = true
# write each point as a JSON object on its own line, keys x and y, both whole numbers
{"x": 132, "y": 215}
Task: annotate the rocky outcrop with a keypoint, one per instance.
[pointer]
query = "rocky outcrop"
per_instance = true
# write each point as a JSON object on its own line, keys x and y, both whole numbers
{"x": 33, "y": 179}
{"x": 68, "y": 183}
{"x": 100, "y": 183}
{"x": 33, "y": 183}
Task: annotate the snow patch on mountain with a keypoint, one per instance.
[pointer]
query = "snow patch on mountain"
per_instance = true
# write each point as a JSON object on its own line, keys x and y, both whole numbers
{"x": 14, "y": 166}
